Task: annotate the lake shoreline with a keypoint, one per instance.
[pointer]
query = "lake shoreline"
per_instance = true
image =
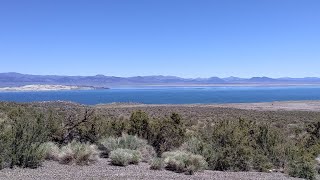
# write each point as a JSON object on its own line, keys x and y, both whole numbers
{"x": 37, "y": 88}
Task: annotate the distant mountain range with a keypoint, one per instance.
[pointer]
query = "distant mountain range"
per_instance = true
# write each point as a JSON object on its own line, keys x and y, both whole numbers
{"x": 16, "y": 79}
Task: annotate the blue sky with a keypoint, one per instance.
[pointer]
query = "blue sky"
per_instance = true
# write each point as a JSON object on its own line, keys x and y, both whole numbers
{"x": 198, "y": 38}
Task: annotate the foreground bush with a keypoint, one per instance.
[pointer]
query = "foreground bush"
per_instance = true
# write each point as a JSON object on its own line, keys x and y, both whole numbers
{"x": 242, "y": 145}
{"x": 78, "y": 153}
{"x": 180, "y": 161}
{"x": 302, "y": 169}
{"x": 127, "y": 142}
{"x": 157, "y": 164}
{"x": 21, "y": 135}
{"x": 51, "y": 151}
{"x": 168, "y": 133}
{"x": 318, "y": 164}
{"x": 124, "y": 157}
{"x": 301, "y": 164}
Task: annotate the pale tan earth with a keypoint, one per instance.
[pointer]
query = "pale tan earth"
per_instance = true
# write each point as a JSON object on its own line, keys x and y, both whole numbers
{"x": 43, "y": 88}
{"x": 265, "y": 106}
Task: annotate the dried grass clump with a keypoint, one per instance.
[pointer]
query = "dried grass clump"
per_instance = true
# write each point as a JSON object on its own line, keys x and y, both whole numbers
{"x": 51, "y": 151}
{"x": 66, "y": 155}
{"x": 124, "y": 157}
{"x": 72, "y": 153}
{"x": 157, "y": 164}
{"x": 180, "y": 161}
{"x": 147, "y": 153}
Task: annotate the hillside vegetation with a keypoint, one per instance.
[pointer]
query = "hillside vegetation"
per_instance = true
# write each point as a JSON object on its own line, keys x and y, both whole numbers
{"x": 180, "y": 139}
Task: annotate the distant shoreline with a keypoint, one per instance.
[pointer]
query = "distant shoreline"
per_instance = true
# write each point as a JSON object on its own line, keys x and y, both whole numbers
{"x": 221, "y": 85}
{"x": 34, "y": 87}
{"x": 48, "y": 87}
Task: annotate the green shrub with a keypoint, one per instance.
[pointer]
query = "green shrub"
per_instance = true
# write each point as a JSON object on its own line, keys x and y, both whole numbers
{"x": 241, "y": 145}
{"x": 79, "y": 153}
{"x": 157, "y": 164}
{"x": 124, "y": 157}
{"x": 302, "y": 170}
{"x": 21, "y": 135}
{"x": 127, "y": 142}
{"x": 139, "y": 124}
{"x": 196, "y": 146}
{"x": 168, "y": 133}
{"x": 231, "y": 144}
{"x": 261, "y": 163}
{"x": 180, "y": 161}
{"x": 33, "y": 157}
{"x": 5, "y": 143}
{"x": 301, "y": 163}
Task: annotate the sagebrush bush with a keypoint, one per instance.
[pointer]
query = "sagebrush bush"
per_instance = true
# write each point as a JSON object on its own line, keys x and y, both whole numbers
{"x": 180, "y": 161}
{"x": 51, "y": 151}
{"x": 318, "y": 164}
{"x": 78, "y": 153}
{"x": 66, "y": 155}
{"x": 157, "y": 164}
{"x": 124, "y": 157}
{"x": 196, "y": 146}
{"x": 127, "y": 142}
{"x": 147, "y": 153}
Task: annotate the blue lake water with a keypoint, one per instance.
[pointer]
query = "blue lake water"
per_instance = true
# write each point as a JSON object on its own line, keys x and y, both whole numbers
{"x": 171, "y": 95}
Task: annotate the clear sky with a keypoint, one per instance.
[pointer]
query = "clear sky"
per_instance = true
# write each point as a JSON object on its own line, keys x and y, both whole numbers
{"x": 187, "y": 38}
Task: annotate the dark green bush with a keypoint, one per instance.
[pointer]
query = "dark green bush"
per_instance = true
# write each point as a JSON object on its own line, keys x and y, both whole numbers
{"x": 302, "y": 165}
{"x": 243, "y": 145}
{"x": 168, "y": 133}
{"x": 22, "y": 134}
{"x": 139, "y": 124}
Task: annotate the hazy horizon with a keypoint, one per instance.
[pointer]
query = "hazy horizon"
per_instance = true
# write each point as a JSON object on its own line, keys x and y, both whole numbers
{"x": 151, "y": 75}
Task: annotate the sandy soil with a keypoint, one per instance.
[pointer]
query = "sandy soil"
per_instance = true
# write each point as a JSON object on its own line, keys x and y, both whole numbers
{"x": 265, "y": 106}
{"x": 103, "y": 170}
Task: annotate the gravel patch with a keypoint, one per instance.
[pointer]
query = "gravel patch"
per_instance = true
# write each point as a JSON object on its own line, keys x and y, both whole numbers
{"x": 103, "y": 170}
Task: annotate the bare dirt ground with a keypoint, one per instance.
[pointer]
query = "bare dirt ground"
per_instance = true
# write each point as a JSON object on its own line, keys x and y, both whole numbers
{"x": 102, "y": 170}
{"x": 265, "y": 106}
